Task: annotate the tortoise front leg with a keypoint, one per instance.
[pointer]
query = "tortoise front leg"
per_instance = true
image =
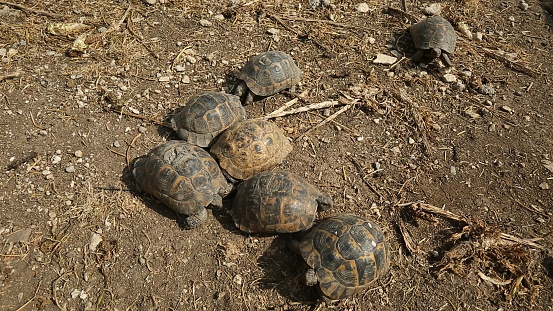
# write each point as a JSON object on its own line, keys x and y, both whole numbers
{"x": 445, "y": 59}
{"x": 193, "y": 221}
{"x": 240, "y": 88}
{"x": 249, "y": 97}
{"x": 417, "y": 57}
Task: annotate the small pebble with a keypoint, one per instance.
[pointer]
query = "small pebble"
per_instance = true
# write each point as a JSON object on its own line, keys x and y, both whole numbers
{"x": 464, "y": 29}
{"x": 453, "y": 170}
{"x": 185, "y": 79}
{"x": 319, "y": 3}
{"x": 384, "y": 59}
{"x": 273, "y": 31}
{"x": 410, "y": 140}
{"x": 506, "y": 109}
{"x": 142, "y": 129}
{"x": 180, "y": 68}
{"x": 116, "y": 144}
{"x": 56, "y": 159}
{"x": 433, "y": 9}
{"x": 544, "y": 186}
{"x": 372, "y": 40}
{"x": 362, "y": 7}
{"x": 164, "y": 79}
{"x": 523, "y": 6}
{"x": 191, "y": 59}
{"x": 237, "y": 279}
{"x": 70, "y": 169}
{"x": 450, "y": 78}
{"x": 487, "y": 89}
{"x": 102, "y": 29}
{"x": 205, "y": 23}
{"x": 94, "y": 241}
{"x": 79, "y": 153}
{"x": 219, "y": 17}
{"x": 477, "y": 36}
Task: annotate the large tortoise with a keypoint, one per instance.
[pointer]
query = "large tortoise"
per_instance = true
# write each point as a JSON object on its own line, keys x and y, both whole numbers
{"x": 206, "y": 115}
{"x": 266, "y": 74}
{"x": 434, "y": 37}
{"x": 346, "y": 254}
{"x": 277, "y": 202}
{"x": 184, "y": 177}
{"x": 250, "y": 147}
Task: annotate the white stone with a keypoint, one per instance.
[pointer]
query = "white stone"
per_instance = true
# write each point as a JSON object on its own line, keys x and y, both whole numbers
{"x": 94, "y": 241}
{"x": 205, "y": 23}
{"x": 362, "y": 7}
{"x": 384, "y": 59}
{"x": 450, "y": 78}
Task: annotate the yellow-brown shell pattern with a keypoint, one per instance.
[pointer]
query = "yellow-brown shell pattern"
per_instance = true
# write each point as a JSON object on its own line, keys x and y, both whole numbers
{"x": 250, "y": 147}
{"x": 182, "y": 176}
{"x": 347, "y": 252}
{"x": 270, "y": 72}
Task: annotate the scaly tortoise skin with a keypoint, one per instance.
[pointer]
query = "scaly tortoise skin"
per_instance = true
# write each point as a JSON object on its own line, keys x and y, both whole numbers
{"x": 266, "y": 74}
{"x": 250, "y": 147}
{"x": 433, "y": 37}
{"x": 184, "y": 177}
{"x": 206, "y": 115}
{"x": 346, "y": 253}
{"x": 277, "y": 202}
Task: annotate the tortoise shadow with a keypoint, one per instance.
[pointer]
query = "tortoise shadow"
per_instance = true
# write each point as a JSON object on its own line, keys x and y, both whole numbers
{"x": 283, "y": 272}
{"x": 547, "y": 6}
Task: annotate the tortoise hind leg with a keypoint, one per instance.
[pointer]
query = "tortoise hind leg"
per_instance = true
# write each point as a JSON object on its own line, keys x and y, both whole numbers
{"x": 445, "y": 59}
{"x": 193, "y": 221}
{"x": 240, "y": 88}
{"x": 249, "y": 97}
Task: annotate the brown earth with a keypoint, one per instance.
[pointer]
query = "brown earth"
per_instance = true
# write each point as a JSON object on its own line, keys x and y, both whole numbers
{"x": 479, "y": 148}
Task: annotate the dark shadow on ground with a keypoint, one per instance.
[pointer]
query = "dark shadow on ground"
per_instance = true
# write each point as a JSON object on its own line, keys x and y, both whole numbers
{"x": 548, "y": 11}
{"x": 284, "y": 272}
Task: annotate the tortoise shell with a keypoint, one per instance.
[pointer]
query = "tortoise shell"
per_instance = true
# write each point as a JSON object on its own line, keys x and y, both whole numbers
{"x": 434, "y": 32}
{"x": 250, "y": 147}
{"x": 206, "y": 115}
{"x": 270, "y": 72}
{"x": 347, "y": 253}
{"x": 278, "y": 201}
{"x": 182, "y": 176}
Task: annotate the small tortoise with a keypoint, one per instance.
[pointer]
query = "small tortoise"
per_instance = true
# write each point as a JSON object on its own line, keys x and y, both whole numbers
{"x": 266, "y": 74}
{"x": 184, "y": 177}
{"x": 345, "y": 255}
{"x": 250, "y": 147}
{"x": 278, "y": 201}
{"x": 433, "y": 37}
{"x": 206, "y": 115}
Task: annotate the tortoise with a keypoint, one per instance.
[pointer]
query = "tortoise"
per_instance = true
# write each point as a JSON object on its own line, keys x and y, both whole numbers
{"x": 250, "y": 147}
{"x": 266, "y": 74}
{"x": 277, "y": 202}
{"x": 346, "y": 254}
{"x": 184, "y": 177}
{"x": 206, "y": 115}
{"x": 434, "y": 37}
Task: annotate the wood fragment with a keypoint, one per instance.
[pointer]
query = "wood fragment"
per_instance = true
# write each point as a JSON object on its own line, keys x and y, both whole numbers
{"x": 513, "y": 64}
{"x": 419, "y": 122}
{"x": 402, "y": 14}
{"x": 330, "y": 118}
{"x": 127, "y": 155}
{"x": 407, "y": 238}
{"x": 321, "y": 105}
{"x": 10, "y": 75}
{"x": 492, "y": 280}
{"x": 364, "y": 177}
{"x": 138, "y": 116}
{"x": 114, "y": 27}
{"x": 31, "y": 10}
{"x": 451, "y": 216}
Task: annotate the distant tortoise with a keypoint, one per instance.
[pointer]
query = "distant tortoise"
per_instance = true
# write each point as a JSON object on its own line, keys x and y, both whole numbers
{"x": 206, "y": 115}
{"x": 266, "y": 74}
{"x": 277, "y": 202}
{"x": 184, "y": 177}
{"x": 345, "y": 255}
{"x": 433, "y": 37}
{"x": 250, "y": 147}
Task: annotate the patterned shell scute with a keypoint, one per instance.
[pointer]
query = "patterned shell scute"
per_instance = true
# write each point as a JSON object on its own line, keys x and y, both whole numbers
{"x": 434, "y": 32}
{"x": 270, "y": 72}
{"x": 206, "y": 115}
{"x": 182, "y": 176}
{"x": 250, "y": 147}
{"x": 278, "y": 201}
{"x": 347, "y": 252}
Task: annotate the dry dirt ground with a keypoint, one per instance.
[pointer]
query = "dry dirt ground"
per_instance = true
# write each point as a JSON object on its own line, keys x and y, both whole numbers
{"x": 75, "y": 235}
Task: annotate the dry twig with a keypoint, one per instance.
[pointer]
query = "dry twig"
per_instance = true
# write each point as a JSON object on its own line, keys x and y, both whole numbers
{"x": 112, "y": 28}
{"x": 516, "y": 65}
{"x": 10, "y": 75}
{"x": 414, "y": 111}
{"x": 330, "y": 118}
{"x": 35, "y": 11}
{"x": 321, "y": 105}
